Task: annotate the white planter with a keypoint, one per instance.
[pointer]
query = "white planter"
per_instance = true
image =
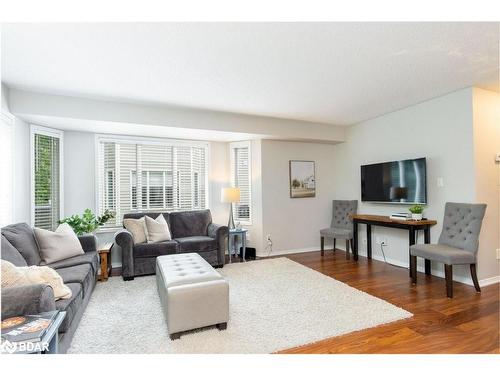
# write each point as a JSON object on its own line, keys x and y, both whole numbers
{"x": 416, "y": 216}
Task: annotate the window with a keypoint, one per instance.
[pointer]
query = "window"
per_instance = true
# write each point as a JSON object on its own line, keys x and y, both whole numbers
{"x": 46, "y": 177}
{"x": 155, "y": 175}
{"x": 6, "y": 166}
{"x": 241, "y": 177}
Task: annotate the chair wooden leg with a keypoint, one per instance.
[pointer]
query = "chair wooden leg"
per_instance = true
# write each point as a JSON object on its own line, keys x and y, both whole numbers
{"x": 413, "y": 268}
{"x": 347, "y": 256}
{"x": 448, "y": 274}
{"x": 334, "y": 244}
{"x": 474, "y": 277}
{"x": 322, "y": 245}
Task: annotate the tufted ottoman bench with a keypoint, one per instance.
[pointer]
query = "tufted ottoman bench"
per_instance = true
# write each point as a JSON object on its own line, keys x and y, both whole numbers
{"x": 192, "y": 294}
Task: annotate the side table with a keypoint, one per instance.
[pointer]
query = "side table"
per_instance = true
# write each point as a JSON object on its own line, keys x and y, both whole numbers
{"x": 49, "y": 344}
{"x": 233, "y": 236}
{"x": 104, "y": 252}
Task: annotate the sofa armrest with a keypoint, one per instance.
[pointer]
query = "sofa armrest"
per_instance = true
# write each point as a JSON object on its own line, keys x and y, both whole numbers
{"x": 27, "y": 299}
{"x": 125, "y": 241}
{"x": 89, "y": 242}
{"x": 220, "y": 233}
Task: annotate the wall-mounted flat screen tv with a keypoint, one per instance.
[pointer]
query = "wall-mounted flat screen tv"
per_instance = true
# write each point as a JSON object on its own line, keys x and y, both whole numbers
{"x": 402, "y": 181}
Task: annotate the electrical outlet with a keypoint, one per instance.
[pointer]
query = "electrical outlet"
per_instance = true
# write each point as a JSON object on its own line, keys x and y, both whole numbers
{"x": 379, "y": 240}
{"x": 498, "y": 253}
{"x": 364, "y": 241}
{"x": 268, "y": 238}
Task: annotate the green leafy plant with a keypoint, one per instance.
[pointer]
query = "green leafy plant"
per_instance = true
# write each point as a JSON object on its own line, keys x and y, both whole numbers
{"x": 416, "y": 209}
{"x": 88, "y": 222}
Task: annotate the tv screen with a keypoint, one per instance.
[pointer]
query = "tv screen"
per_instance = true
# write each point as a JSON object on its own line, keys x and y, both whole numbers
{"x": 402, "y": 181}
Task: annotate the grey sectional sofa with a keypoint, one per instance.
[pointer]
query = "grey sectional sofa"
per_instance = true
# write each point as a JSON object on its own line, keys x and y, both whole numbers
{"x": 78, "y": 273}
{"x": 192, "y": 232}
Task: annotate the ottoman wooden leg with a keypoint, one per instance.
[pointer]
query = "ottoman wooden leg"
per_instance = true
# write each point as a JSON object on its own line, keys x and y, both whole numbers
{"x": 221, "y": 326}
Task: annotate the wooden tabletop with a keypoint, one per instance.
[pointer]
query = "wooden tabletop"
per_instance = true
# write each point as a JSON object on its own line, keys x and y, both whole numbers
{"x": 387, "y": 219}
{"x": 105, "y": 247}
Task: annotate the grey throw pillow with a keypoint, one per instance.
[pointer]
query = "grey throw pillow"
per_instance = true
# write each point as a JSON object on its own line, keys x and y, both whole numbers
{"x": 58, "y": 245}
{"x": 21, "y": 236}
{"x": 10, "y": 254}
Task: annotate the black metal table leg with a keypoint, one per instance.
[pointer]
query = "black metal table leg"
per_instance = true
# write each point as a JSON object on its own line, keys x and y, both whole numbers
{"x": 427, "y": 239}
{"x": 369, "y": 241}
{"x": 411, "y": 240}
{"x": 355, "y": 238}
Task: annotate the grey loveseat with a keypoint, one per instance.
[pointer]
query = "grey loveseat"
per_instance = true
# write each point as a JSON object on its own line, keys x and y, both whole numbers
{"x": 79, "y": 273}
{"x": 192, "y": 232}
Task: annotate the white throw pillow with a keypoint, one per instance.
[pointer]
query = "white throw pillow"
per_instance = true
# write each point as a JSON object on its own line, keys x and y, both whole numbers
{"x": 157, "y": 230}
{"x": 18, "y": 276}
{"x": 58, "y": 245}
{"x": 138, "y": 229}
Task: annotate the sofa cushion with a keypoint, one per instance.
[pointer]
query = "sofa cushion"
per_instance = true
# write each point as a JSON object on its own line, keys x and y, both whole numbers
{"x": 190, "y": 223}
{"x": 148, "y": 250}
{"x": 90, "y": 257}
{"x": 138, "y": 229}
{"x": 157, "y": 229}
{"x": 58, "y": 245}
{"x": 10, "y": 254}
{"x": 71, "y": 306}
{"x": 78, "y": 274}
{"x": 196, "y": 244}
{"x": 22, "y": 237}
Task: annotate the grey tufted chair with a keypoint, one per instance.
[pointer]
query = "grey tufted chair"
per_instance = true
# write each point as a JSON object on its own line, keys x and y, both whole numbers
{"x": 458, "y": 242}
{"x": 341, "y": 226}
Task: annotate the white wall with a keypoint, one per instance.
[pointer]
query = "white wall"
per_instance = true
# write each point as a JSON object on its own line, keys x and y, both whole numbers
{"x": 22, "y": 164}
{"x": 294, "y": 223}
{"x": 79, "y": 172}
{"x": 486, "y": 110}
{"x": 440, "y": 130}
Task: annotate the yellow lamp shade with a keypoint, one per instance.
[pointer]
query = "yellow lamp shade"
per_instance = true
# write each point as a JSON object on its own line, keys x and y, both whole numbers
{"x": 230, "y": 195}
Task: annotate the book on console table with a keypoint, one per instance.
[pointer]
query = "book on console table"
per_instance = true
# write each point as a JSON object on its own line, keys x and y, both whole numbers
{"x": 400, "y": 216}
{"x": 28, "y": 328}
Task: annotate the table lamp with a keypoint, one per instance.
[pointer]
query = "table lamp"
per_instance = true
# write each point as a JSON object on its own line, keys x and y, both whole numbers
{"x": 230, "y": 195}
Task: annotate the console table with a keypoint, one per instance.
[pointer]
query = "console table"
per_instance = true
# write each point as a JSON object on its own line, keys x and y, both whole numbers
{"x": 412, "y": 226}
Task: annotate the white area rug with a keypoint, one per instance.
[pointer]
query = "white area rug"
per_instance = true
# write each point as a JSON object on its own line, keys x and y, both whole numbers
{"x": 274, "y": 304}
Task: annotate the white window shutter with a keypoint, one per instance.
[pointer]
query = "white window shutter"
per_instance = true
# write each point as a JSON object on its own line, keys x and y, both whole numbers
{"x": 46, "y": 165}
{"x": 241, "y": 177}
{"x": 152, "y": 176}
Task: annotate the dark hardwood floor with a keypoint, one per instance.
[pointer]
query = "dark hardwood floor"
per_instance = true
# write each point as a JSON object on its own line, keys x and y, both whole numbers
{"x": 468, "y": 323}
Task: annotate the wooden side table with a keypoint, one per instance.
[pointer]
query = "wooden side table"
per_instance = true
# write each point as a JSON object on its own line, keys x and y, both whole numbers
{"x": 104, "y": 252}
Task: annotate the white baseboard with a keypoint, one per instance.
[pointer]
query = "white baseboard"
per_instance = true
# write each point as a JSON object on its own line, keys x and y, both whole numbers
{"x": 291, "y": 251}
{"x": 489, "y": 281}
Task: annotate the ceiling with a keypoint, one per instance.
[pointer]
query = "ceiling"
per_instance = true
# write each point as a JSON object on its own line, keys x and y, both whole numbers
{"x": 335, "y": 73}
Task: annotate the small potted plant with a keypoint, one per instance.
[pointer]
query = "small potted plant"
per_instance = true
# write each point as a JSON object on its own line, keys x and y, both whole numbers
{"x": 88, "y": 222}
{"x": 416, "y": 211}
